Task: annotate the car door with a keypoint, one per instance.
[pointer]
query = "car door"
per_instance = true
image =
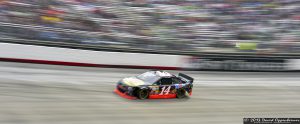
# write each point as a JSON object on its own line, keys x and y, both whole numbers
{"x": 166, "y": 86}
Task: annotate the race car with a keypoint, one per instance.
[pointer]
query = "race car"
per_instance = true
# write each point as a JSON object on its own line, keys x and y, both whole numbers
{"x": 155, "y": 85}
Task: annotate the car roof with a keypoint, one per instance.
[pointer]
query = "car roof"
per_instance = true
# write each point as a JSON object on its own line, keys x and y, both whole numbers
{"x": 161, "y": 73}
{"x": 153, "y": 76}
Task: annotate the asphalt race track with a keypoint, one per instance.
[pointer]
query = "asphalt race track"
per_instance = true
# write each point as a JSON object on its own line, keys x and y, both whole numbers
{"x": 48, "y": 94}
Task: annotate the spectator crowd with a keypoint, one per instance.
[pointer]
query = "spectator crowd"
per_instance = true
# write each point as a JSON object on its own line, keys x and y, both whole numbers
{"x": 185, "y": 25}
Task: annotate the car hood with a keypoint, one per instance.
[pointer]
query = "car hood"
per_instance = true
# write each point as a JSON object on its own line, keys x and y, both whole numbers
{"x": 133, "y": 81}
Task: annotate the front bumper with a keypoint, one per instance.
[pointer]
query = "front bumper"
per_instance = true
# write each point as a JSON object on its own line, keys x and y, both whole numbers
{"x": 123, "y": 94}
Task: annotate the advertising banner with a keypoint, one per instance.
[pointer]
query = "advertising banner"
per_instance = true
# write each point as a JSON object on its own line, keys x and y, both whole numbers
{"x": 235, "y": 63}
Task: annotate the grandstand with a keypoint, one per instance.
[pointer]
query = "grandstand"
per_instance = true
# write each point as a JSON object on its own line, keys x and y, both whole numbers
{"x": 270, "y": 26}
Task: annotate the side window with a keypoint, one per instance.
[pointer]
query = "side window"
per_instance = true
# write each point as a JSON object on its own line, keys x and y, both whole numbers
{"x": 175, "y": 80}
{"x": 166, "y": 81}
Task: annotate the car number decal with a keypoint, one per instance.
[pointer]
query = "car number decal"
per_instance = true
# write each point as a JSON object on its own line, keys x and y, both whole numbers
{"x": 165, "y": 90}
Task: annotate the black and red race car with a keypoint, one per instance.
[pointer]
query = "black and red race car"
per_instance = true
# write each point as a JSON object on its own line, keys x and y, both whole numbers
{"x": 155, "y": 85}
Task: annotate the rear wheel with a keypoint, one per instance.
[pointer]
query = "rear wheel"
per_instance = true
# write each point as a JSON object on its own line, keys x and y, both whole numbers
{"x": 180, "y": 93}
{"x": 143, "y": 94}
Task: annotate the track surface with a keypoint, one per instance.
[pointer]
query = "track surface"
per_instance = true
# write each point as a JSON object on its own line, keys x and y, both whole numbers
{"x": 46, "y": 94}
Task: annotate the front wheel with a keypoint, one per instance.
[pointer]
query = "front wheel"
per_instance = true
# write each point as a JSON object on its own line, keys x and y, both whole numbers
{"x": 180, "y": 93}
{"x": 143, "y": 94}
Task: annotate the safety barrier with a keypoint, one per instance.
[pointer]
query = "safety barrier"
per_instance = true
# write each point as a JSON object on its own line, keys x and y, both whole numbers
{"x": 76, "y": 57}
{"x": 79, "y": 57}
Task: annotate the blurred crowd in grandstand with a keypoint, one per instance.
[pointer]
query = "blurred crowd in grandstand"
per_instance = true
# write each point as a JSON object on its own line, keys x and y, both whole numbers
{"x": 186, "y": 25}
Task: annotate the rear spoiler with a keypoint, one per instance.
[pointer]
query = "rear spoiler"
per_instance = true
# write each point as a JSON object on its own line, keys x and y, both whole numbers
{"x": 186, "y": 77}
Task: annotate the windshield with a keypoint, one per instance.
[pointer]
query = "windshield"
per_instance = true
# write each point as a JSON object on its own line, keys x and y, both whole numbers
{"x": 148, "y": 77}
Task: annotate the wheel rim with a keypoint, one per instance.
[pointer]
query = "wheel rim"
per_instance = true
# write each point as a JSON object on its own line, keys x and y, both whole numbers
{"x": 143, "y": 94}
{"x": 180, "y": 93}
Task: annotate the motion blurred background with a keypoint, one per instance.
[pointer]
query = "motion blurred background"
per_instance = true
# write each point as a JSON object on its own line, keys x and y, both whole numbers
{"x": 264, "y": 26}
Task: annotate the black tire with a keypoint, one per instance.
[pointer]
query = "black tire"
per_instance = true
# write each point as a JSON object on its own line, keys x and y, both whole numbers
{"x": 143, "y": 93}
{"x": 180, "y": 93}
